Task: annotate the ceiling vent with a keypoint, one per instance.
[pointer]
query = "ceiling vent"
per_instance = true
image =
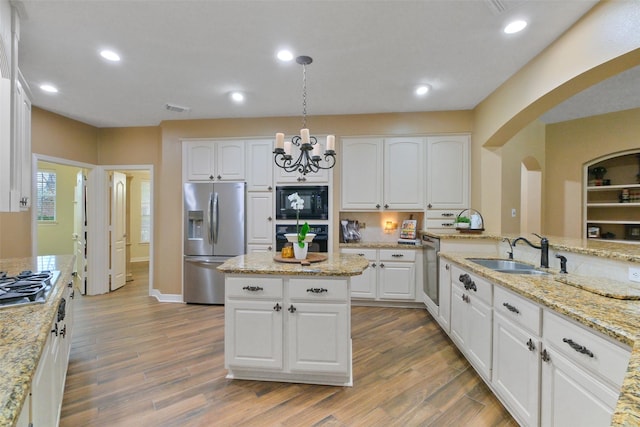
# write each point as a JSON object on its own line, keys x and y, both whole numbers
{"x": 176, "y": 108}
{"x": 497, "y": 7}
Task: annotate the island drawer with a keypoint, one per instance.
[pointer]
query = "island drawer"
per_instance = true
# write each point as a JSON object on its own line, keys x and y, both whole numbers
{"x": 397, "y": 255}
{"x": 253, "y": 287}
{"x": 517, "y": 309}
{"x": 318, "y": 289}
{"x": 598, "y": 354}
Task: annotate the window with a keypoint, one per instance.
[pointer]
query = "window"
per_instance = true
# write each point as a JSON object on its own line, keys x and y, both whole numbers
{"x": 46, "y": 195}
{"x": 145, "y": 211}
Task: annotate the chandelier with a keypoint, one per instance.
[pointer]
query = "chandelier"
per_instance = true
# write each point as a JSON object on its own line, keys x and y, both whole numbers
{"x": 308, "y": 158}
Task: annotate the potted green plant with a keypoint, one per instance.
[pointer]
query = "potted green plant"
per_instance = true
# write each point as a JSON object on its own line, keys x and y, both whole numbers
{"x": 463, "y": 222}
{"x": 599, "y": 172}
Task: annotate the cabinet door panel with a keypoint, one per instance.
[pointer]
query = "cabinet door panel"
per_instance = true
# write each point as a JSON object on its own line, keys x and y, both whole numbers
{"x": 199, "y": 162}
{"x": 403, "y": 173}
{"x": 230, "y": 160}
{"x": 253, "y": 334}
{"x": 458, "y": 316}
{"x": 516, "y": 369}
{"x": 319, "y": 340}
{"x": 478, "y": 337}
{"x": 571, "y": 397}
{"x": 444, "y": 296}
{"x": 397, "y": 280}
{"x": 259, "y": 219}
{"x": 361, "y": 173}
{"x": 259, "y": 165}
{"x": 448, "y": 172}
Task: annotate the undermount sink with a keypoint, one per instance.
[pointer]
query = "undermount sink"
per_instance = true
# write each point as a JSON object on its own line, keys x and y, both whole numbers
{"x": 508, "y": 266}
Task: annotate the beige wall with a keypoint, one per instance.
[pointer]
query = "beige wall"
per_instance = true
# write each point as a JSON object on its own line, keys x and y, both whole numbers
{"x": 56, "y": 238}
{"x": 57, "y": 136}
{"x": 569, "y": 145}
{"x": 528, "y": 143}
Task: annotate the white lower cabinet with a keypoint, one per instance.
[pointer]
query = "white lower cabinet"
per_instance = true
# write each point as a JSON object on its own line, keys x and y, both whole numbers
{"x": 516, "y": 354}
{"x": 391, "y": 275}
{"x": 288, "y": 329}
{"x": 471, "y": 319}
{"x": 582, "y": 373}
{"x": 548, "y": 370}
{"x": 444, "y": 296}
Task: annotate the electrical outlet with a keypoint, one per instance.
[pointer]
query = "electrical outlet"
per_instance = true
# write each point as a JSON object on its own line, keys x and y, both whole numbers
{"x": 362, "y": 225}
{"x": 513, "y": 213}
{"x": 634, "y": 274}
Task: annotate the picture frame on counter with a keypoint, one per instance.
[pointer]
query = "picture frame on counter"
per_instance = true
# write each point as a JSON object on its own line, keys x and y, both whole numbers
{"x": 632, "y": 232}
{"x": 593, "y": 232}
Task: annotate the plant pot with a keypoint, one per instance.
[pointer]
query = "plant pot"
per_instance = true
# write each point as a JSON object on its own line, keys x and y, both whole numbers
{"x": 293, "y": 237}
{"x": 462, "y": 225}
{"x": 300, "y": 253}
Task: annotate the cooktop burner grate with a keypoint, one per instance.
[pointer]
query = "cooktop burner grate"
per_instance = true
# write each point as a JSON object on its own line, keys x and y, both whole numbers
{"x": 26, "y": 287}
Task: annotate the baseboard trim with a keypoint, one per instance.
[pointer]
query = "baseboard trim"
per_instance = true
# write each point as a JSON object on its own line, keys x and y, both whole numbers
{"x": 165, "y": 297}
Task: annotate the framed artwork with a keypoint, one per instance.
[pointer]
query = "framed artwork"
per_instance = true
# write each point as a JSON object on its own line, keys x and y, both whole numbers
{"x": 632, "y": 232}
{"x": 593, "y": 232}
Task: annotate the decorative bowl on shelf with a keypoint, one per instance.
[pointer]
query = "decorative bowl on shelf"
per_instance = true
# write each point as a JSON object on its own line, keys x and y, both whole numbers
{"x": 463, "y": 225}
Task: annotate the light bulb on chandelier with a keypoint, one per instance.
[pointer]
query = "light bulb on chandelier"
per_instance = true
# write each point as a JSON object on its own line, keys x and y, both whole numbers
{"x": 309, "y": 159}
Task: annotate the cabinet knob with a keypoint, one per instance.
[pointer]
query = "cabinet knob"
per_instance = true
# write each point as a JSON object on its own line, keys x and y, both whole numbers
{"x": 373, "y": 264}
{"x": 55, "y": 330}
{"x": 269, "y": 188}
{"x": 270, "y": 219}
{"x": 382, "y": 265}
{"x": 429, "y": 205}
{"x": 291, "y": 309}
{"x": 211, "y": 177}
{"x": 219, "y": 177}
{"x": 378, "y": 206}
{"x": 545, "y": 356}
{"x": 277, "y": 307}
{"x": 446, "y": 266}
{"x": 270, "y": 248}
{"x": 386, "y": 206}
{"x": 530, "y": 345}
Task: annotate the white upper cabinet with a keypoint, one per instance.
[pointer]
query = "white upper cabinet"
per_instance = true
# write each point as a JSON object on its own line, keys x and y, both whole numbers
{"x": 382, "y": 173}
{"x": 448, "y": 172}
{"x": 259, "y": 167}
{"x": 15, "y": 119}
{"x": 208, "y": 160}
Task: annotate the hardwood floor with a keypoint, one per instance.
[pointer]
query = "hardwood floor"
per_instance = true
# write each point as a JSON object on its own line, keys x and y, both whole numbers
{"x": 138, "y": 362}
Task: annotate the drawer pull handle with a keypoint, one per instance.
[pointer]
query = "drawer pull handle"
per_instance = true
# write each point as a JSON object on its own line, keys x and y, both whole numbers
{"x": 317, "y": 290}
{"x": 277, "y": 307}
{"x": 447, "y": 224}
{"x": 55, "y": 329}
{"x": 447, "y": 214}
{"x": 253, "y": 288}
{"x": 511, "y": 308}
{"x": 397, "y": 255}
{"x": 577, "y": 347}
{"x": 361, "y": 254}
{"x": 530, "y": 345}
{"x": 465, "y": 298}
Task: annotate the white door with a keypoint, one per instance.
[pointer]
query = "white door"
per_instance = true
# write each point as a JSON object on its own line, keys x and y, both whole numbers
{"x": 118, "y": 230}
{"x": 80, "y": 231}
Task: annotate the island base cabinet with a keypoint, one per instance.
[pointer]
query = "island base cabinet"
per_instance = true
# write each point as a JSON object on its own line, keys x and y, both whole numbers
{"x": 253, "y": 334}
{"x": 572, "y": 397}
{"x": 319, "y": 340}
{"x": 516, "y": 369}
{"x": 288, "y": 329}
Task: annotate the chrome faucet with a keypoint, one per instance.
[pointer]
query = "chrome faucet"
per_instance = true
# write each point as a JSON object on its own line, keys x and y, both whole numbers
{"x": 544, "y": 248}
{"x": 506, "y": 239}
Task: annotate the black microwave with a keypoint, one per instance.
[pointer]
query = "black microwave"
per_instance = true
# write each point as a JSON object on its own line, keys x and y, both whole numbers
{"x": 316, "y": 202}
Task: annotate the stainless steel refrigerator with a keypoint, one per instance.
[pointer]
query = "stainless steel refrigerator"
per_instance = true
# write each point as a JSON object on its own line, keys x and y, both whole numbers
{"x": 214, "y": 231}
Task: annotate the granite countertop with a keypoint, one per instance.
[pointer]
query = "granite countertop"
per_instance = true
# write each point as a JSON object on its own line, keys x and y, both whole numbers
{"x": 616, "y": 318}
{"x": 263, "y": 263}
{"x": 628, "y": 252}
{"x": 25, "y": 330}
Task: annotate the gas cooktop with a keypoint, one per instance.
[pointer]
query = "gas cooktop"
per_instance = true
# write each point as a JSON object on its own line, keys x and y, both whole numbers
{"x": 26, "y": 288}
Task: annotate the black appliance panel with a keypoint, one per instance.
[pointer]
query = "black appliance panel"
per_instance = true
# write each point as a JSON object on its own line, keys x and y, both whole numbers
{"x": 316, "y": 202}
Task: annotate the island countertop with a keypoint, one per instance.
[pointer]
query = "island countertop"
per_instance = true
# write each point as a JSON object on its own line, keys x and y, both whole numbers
{"x": 263, "y": 263}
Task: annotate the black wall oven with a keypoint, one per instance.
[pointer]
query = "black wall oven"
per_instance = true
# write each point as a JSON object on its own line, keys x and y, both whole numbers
{"x": 316, "y": 202}
{"x": 320, "y": 243}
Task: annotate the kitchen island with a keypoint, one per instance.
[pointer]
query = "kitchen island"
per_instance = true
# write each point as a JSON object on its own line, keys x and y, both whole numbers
{"x": 289, "y": 322}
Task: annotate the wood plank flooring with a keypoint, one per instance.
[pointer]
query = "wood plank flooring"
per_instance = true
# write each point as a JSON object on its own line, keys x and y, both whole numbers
{"x": 137, "y": 362}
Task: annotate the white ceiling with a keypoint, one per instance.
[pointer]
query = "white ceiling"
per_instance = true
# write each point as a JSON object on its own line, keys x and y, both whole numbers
{"x": 368, "y": 55}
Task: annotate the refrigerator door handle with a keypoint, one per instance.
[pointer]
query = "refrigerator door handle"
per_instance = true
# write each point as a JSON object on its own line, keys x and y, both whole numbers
{"x": 214, "y": 224}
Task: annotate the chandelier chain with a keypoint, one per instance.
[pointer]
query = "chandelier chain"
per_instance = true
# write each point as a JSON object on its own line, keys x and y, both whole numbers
{"x": 304, "y": 96}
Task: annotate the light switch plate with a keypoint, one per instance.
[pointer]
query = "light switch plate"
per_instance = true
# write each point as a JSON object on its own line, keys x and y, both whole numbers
{"x": 634, "y": 274}
{"x": 513, "y": 213}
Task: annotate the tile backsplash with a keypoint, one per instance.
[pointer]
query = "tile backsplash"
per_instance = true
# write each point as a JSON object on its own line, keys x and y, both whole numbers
{"x": 375, "y": 222}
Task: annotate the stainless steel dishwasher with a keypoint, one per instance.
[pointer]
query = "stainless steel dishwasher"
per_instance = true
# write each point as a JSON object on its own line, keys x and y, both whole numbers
{"x": 430, "y": 249}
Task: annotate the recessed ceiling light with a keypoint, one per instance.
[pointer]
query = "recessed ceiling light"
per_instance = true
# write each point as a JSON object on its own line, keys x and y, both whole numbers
{"x": 110, "y": 55}
{"x": 515, "y": 26}
{"x": 422, "y": 90}
{"x": 49, "y": 88}
{"x": 237, "y": 96}
{"x": 285, "y": 55}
